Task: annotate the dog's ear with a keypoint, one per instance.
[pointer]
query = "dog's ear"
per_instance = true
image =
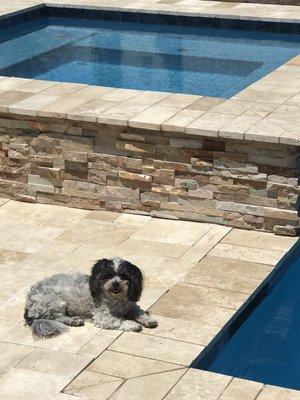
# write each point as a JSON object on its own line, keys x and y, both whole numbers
{"x": 98, "y": 272}
{"x": 135, "y": 279}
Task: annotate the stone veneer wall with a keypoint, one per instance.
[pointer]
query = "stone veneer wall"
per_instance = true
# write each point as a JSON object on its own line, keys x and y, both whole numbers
{"x": 279, "y": 2}
{"x": 237, "y": 183}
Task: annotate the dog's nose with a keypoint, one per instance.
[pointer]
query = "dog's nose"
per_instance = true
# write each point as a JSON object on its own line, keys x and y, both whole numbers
{"x": 115, "y": 287}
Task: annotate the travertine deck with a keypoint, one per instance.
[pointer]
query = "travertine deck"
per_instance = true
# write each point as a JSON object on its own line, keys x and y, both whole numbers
{"x": 266, "y": 111}
{"x": 197, "y": 276}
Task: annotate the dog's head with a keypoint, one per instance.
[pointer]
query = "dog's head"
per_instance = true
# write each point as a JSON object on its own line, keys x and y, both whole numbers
{"x": 116, "y": 278}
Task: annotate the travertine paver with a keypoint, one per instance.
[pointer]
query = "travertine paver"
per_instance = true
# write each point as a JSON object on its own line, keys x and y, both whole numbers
{"x": 54, "y": 362}
{"x": 200, "y": 385}
{"x": 277, "y": 393}
{"x": 241, "y": 389}
{"x": 128, "y": 366}
{"x": 196, "y": 277}
{"x": 156, "y": 348}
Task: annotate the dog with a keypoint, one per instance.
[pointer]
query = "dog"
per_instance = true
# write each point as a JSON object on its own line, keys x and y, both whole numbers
{"x": 108, "y": 296}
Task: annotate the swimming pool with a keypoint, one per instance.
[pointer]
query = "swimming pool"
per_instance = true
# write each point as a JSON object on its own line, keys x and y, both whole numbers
{"x": 266, "y": 345}
{"x": 149, "y": 55}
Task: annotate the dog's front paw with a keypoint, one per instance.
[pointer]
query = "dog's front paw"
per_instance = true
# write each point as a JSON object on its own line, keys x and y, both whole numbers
{"x": 131, "y": 326}
{"x": 150, "y": 323}
{"x": 76, "y": 321}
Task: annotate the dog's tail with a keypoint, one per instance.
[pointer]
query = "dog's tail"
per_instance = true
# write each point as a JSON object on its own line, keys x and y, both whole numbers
{"x": 45, "y": 328}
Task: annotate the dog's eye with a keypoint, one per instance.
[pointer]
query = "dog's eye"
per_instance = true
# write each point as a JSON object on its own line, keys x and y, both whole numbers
{"x": 109, "y": 275}
{"x": 124, "y": 277}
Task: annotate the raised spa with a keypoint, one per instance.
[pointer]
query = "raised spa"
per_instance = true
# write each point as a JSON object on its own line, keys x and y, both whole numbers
{"x": 164, "y": 55}
{"x": 264, "y": 344}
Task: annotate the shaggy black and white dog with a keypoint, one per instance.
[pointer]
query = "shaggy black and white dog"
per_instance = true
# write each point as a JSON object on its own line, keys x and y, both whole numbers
{"x": 108, "y": 296}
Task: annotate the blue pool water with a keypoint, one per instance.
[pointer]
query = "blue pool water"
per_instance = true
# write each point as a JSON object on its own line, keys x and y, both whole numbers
{"x": 266, "y": 347}
{"x": 172, "y": 58}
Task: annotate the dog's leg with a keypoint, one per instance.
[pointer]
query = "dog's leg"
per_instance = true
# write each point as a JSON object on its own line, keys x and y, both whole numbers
{"x": 105, "y": 320}
{"x": 70, "y": 321}
{"x": 142, "y": 317}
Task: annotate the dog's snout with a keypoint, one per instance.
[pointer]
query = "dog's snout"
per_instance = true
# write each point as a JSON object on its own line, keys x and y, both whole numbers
{"x": 115, "y": 287}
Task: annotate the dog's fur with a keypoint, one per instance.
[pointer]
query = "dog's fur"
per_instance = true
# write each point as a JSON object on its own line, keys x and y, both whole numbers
{"x": 108, "y": 296}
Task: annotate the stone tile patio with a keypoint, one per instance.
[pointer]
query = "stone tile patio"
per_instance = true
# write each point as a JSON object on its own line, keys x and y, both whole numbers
{"x": 197, "y": 276}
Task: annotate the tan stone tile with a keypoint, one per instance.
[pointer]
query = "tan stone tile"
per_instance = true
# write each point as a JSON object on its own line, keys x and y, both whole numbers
{"x": 107, "y": 234}
{"x": 200, "y": 385}
{"x": 128, "y": 366}
{"x": 13, "y": 308}
{"x": 91, "y": 110}
{"x": 277, "y": 393}
{"x": 42, "y": 214}
{"x": 120, "y": 94}
{"x": 12, "y": 83}
{"x": 264, "y": 131}
{"x": 261, "y": 109}
{"x": 236, "y": 128}
{"x": 229, "y": 107}
{"x": 233, "y": 268}
{"x": 131, "y": 219}
{"x": 150, "y": 387}
{"x": 16, "y": 278}
{"x": 93, "y": 386}
{"x": 157, "y": 348}
{"x": 64, "y": 89}
{"x": 36, "y": 86}
{"x": 221, "y": 280}
{"x": 267, "y": 96}
{"x": 49, "y": 255}
{"x": 243, "y": 253}
{"x": 209, "y": 124}
{"x": 10, "y": 258}
{"x": 31, "y": 385}
{"x": 61, "y": 107}
{"x": 69, "y": 342}
{"x": 107, "y": 216}
{"x": 99, "y": 343}
{"x": 6, "y": 325}
{"x": 206, "y": 103}
{"x": 169, "y": 270}
{"x": 31, "y": 104}
{"x": 120, "y": 114}
{"x": 22, "y": 238}
{"x": 54, "y": 363}
{"x": 153, "y": 117}
{"x": 153, "y": 290}
{"x": 11, "y": 355}
{"x": 90, "y": 92}
{"x": 202, "y": 295}
{"x": 205, "y": 243}
{"x": 197, "y": 306}
{"x": 258, "y": 240}
{"x": 3, "y": 201}
{"x": 241, "y": 389}
{"x": 179, "y": 121}
{"x": 179, "y": 100}
{"x": 148, "y": 98}
{"x": 289, "y": 138}
{"x": 11, "y": 97}
{"x": 175, "y": 232}
{"x": 186, "y": 331}
{"x": 134, "y": 247}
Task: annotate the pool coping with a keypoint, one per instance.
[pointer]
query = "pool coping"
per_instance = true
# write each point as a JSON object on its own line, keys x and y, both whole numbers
{"x": 257, "y": 113}
{"x": 211, "y": 351}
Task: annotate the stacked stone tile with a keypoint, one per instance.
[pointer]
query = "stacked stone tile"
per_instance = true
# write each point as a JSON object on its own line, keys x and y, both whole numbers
{"x": 242, "y": 184}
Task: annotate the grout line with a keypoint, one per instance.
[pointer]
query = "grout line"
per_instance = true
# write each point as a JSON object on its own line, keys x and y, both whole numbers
{"x": 175, "y": 384}
{"x": 150, "y": 358}
{"x": 219, "y": 397}
{"x": 259, "y": 392}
